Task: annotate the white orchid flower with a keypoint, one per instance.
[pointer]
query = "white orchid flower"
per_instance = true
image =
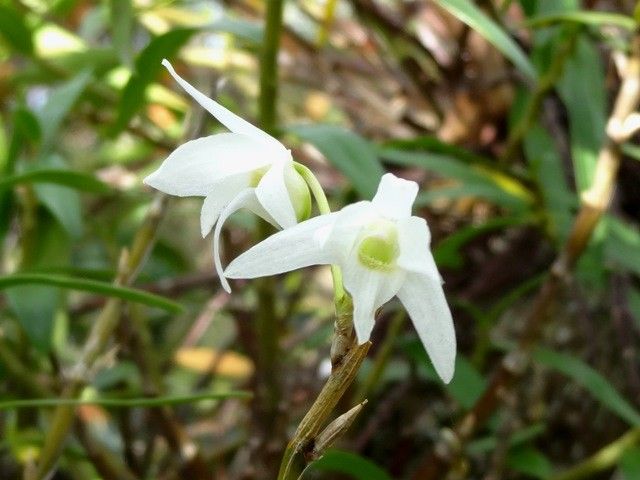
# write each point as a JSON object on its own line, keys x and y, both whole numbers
{"x": 382, "y": 250}
{"x": 243, "y": 168}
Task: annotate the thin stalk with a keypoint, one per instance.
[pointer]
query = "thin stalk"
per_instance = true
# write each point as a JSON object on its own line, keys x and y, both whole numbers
{"x": 603, "y": 459}
{"x": 269, "y": 388}
{"x": 324, "y": 209}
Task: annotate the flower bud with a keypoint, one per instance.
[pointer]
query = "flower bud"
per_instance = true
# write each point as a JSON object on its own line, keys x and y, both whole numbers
{"x": 378, "y": 246}
{"x": 298, "y": 192}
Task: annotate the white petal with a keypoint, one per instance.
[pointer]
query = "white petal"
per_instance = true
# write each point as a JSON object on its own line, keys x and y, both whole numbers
{"x": 290, "y": 249}
{"x": 369, "y": 289}
{"x": 194, "y": 168}
{"x": 340, "y": 238}
{"x": 245, "y": 199}
{"x": 229, "y": 119}
{"x": 395, "y": 196}
{"x": 272, "y": 193}
{"x": 221, "y": 194}
{"x": 415, "y": 254}
{"x": 424, "y": 299}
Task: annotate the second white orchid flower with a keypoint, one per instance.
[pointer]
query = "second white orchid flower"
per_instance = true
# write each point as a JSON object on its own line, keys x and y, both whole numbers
{"x": 382, "y": 250}
{"x": 246, "y": 168}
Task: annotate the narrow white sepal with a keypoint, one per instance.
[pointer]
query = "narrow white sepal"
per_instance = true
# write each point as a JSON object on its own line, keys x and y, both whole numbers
{"x": 287, "y": 250}
{"x": 424, "y": 299}
{"x": 194, "y": 168}
{"x": 229, "y": 119}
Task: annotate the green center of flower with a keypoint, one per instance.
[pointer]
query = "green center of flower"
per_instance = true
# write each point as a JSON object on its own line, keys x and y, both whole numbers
{"x": 378, "y": 246}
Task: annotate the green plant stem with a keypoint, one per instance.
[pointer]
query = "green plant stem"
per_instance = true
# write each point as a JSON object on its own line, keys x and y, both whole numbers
{"x": 327, "y": 20}
{"x": 603, "y": 459}
{"x": 269, "y": 66}
{"x": 543, "y": 86}
{"x": 323, "y": 207}
{"x": 340, "y": 379}
{"x": 97, "y": 341}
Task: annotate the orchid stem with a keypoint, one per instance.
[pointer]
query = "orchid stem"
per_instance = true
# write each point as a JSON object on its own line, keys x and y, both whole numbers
{"x": 323, "y": 207}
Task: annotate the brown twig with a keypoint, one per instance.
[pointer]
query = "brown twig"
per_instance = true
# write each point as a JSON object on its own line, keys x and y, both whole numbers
{"x": 593, "y": 205}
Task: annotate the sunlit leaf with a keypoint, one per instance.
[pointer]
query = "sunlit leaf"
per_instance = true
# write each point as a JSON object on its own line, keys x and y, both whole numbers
{"x": 67, "y": 178}
{"x": 354, "y": 156}
{"x": 586, "y": 17}
{"x": 147, "y": 68}
{"x": 597, "y": 385}
{"x": 15, "y": 31}
{"x": 87, "y": 285}
{"x": 467, "y": 12}
{"x": 475, "y": 181}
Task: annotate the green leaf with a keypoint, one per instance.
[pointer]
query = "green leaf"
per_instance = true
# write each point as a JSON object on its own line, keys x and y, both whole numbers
{"x": 591, "y": 380}
{"x": 147, "y": 68}
{"x": 476, "y": 180}
{"x": 67, "y": 178}
{"x": 94, "y": 286}
{"x": 470, "y": 14}
{"x": 349, "y": 464}
{"x": 354, "y": 156}
{"x": 622, "y": 245}
{"x": 467, "y": 384}
{"x": 59, "y": 103}
{"x": 122, "y": 16}
{"x": 15, "y": 31}
{"x": 546, "y": 165}
{"x": 447, "y": 251}
{"x": 529, "y": 461}
{"x": 63, "y": 202}
{"x": 583, "y": 78}
{"x": 630, "y": 464}
{"x": 585, "y": 17}
{"x": 631, "y": 150}
{"x": 35, "y": 308}
{"x": 488, "y": 444}
{"x": 122, "y": 402}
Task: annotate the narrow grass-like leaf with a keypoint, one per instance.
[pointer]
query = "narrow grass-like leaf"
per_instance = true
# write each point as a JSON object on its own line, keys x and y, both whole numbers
{"x": 350, "y": 464}
{"x": 529, "y": 461}
{"x": 591, "y": 380}
{"x": 147, "y": 68}
{"x": 583, "y": 78}
{"x": 582, "y": 16}
{"x": 354, "y": 156}
{"x": 122, "y": 402}
{"x": 15, "y": 31}
{"x": 478, "y": 181}
{"x": 121, "y": 17}
{"x": 87, "y": 285}
{"x": 67, "y": 178}
{"x": 468, "y": 13}
{"x": 59, "y": 102}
